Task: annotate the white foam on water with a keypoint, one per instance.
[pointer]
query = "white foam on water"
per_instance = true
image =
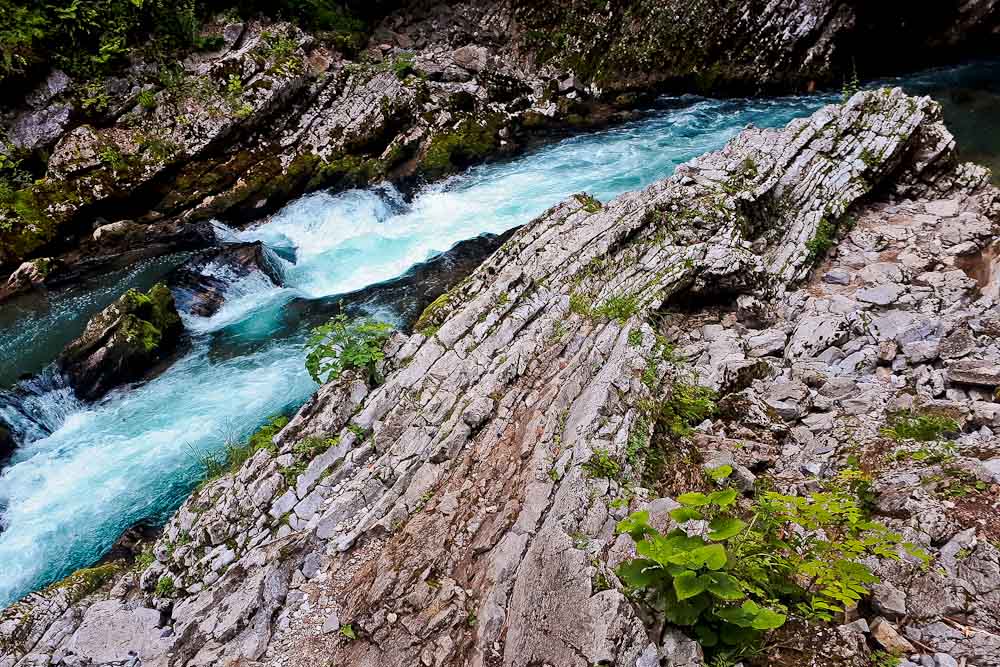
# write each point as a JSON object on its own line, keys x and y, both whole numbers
{"x": 135, "y": 454}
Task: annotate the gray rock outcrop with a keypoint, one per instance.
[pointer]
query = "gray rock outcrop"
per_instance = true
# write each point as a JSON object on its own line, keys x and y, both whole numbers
{"x": 446, "y": 517}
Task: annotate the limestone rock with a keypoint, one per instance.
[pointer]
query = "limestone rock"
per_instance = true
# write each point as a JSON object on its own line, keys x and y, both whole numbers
{"x": 122, "y": 342}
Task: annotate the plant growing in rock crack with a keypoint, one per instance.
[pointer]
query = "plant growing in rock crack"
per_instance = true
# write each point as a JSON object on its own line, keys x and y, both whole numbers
{"x": 165, "y": 587}
{"x": 342, "y": 344}
{"x": 731, "y": 580}
{"x": 922, "y": 428}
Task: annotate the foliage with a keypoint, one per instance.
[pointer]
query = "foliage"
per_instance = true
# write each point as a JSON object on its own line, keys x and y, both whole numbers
{"x": 236, "y": 453}
{"x": 731, "y": 580}
{"x": 590, "y": 204}
{"x": 303, "y": 453}
{"x": 689, "y": 405}
{"x": 922, "y": 428}
{"x": 821, "y": 242}
{"x": 165, "y": 586}
{"x": 85, "y": 581}
{"x": 343, "y": 344}
{"x": 619, "y": 308}
{"x": 602, "y": 465}
{"x": 93, "y": 38}
{"x": 147, "y": 99}
{"x": 143, "y": 560}
{"x": 403, "y": 65}
{"x": 852, "y": 85}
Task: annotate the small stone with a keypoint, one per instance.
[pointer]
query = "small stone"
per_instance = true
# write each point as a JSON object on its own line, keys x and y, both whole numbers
{"x": 889, "y": 638}
{"x": 837, "y": 277}
{"x": 331, "y": 624}
{"x": 944, "y": 660}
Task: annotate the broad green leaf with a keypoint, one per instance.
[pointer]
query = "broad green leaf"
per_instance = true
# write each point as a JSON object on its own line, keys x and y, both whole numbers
{"x": 707, "y": 637}
{"x": 635, "y": 524}
{"x": 682, "y": 514}
{"x": 724, "y": 586}
{"x": 767, "y": 619}
{"x": 723, "y": 498}
{"x": 737, "y": 636}
{"x": 639, "y": 573}
{"x": 712, "y": 556}
{"x": 724, "y": 527}
{"x": 736, "y": 615}
{"x": 685, "y": 612}
{"x": 693, "y": 499}
{"x": 688, "y": 584}
{"x": 721, "y": 473}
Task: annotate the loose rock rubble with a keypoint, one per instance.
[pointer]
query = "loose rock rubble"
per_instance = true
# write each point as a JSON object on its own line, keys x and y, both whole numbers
{"x": 445, "y": 517}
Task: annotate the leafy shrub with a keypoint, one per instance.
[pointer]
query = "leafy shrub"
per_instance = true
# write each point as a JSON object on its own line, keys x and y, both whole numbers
{"x": 732, "y": 580}
{"x": 689, "y": 405}
{"x": 619, "y": 308}
{"x": 922, "y": 428}
{"x": 403, "y": 65}
{"x": 821, "y": 242}
{"x": 602, "y": 465}
{"x": 165, "y": 587}
{"x": 343, "y": 344}
{"x": 147, "y": 99}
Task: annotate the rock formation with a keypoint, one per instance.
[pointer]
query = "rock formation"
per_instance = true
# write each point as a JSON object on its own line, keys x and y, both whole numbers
{"x": 201, "y": 283}
{"x": 447, "y": 516}
{"x": 122, "y": 342}
{"x": 276, "y": 111}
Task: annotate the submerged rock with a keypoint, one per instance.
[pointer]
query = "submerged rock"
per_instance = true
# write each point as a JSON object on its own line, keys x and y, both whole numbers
{"x": 202, "y": 283}
{"x": 123, "y": 342}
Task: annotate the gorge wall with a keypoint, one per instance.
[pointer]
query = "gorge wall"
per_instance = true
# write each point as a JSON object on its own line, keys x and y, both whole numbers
{"x": 452, "y": 515}
{"x": 123, "y": 166}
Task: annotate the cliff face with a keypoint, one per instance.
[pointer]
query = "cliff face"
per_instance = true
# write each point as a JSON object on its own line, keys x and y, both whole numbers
{"x": 749, "y": 46}
{"x": 275, "y": 111}
{"x": 455, "y": 515}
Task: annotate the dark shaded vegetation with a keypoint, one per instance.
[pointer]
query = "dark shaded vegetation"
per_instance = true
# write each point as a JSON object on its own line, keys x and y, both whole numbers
{"x": 91, "y": 38}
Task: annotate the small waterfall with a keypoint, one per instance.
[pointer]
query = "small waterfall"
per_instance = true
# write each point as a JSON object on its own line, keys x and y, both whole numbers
{"x": 37, "y": 406}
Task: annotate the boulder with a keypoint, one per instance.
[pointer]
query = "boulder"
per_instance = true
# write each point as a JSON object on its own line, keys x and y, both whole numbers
{"x": 979, "y": 372}
{"x": 201, "y": 284}
{"x": 123, "y": 342}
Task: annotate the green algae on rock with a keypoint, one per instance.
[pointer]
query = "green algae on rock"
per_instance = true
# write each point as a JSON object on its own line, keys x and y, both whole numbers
{"x": 123, "y": 342}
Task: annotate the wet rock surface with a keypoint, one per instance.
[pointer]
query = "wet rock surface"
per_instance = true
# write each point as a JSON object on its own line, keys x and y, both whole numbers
{"x": 123, "y": 342}
{"x": 201, "y": 284}
{"x": 456, "y": 490}
{"x": 278, "y": 111}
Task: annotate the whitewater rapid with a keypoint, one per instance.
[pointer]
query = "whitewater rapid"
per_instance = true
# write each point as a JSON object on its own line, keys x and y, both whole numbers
{"x": 91, "y": 471}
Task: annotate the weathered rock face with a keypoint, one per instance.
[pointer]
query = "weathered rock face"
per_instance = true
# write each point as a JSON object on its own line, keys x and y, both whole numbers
{"x": 446, "y": 516}
{"x": 122, "y": 342}
{"x": 748, "y": 46}
{"x": 441, "y": 85}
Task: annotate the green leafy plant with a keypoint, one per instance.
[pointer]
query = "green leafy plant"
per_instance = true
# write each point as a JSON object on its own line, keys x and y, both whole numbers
{"x": 689, "y": 405}
{"x": 619, "y": 308}
{"x": 165, "y": 586}
{"x": 403, "y": 65}
{"x": 922, "y": 428}
{"x": 730, "y": 580}
{"x": 343, "y": 344}
{"x": 147, "y": 99}
{"x": 821, "y": 242}
{"x": 602, "y": 465}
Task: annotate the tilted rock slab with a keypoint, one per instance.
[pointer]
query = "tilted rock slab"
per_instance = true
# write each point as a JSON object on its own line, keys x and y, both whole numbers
{"x": 447, "y": 519}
